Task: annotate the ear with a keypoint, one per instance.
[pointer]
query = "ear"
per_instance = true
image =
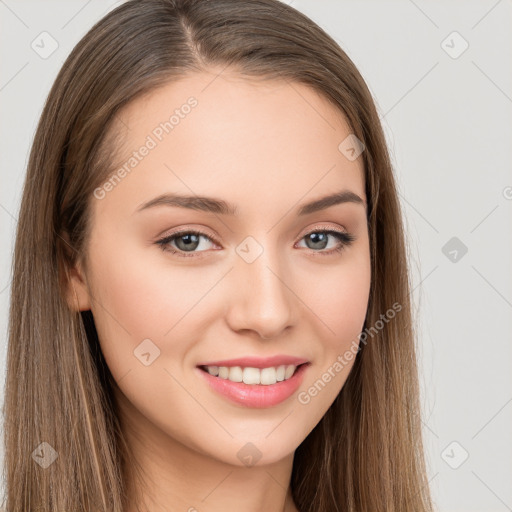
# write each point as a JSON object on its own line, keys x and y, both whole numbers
{"x": 73, "y": 276}
{"x": 77, "y": 290}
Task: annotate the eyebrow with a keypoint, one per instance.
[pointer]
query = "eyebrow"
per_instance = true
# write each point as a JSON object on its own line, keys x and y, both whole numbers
{"x": 219, "y": 206}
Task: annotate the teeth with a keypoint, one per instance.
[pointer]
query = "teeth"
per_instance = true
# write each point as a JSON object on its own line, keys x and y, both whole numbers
{"x": 235, "y": 374}
{"x": 265, "y": 376}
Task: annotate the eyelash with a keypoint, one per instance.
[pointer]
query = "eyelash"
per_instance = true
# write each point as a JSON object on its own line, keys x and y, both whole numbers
{"x": 345, "y": 240}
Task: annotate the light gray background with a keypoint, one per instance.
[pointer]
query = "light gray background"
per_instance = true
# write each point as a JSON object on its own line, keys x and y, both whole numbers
{"x": 448, "y": 124}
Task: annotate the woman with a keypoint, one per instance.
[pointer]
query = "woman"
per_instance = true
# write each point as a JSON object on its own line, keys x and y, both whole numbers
{"x": 210, "y": 301}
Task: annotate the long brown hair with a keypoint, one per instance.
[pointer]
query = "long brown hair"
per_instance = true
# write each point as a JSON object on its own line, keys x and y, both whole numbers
{"x": 366, "y": 453}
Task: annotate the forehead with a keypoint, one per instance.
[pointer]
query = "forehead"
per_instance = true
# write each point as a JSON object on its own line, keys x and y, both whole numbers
{"x": 234, "y": 137}
{"x": 242, "y": 101}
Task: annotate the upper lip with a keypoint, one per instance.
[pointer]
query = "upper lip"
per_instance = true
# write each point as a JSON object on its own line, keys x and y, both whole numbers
{"x": 258, "y": 362}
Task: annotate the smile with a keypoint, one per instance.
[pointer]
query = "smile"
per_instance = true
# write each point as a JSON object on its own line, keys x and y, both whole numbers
{"x": 254, "y": 387}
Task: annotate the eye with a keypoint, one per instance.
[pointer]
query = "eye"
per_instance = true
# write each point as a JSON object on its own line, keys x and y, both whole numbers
{"x": 319, "y": 240}
{"x": 186, "y": 241}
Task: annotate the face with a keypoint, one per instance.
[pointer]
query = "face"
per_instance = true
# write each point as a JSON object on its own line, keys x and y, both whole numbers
{"x": 175, "y": 284}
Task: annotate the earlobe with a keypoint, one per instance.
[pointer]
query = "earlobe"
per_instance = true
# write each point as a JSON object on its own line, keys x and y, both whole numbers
{"x": 71, "y": 270}
{"x": 77, "y": 295}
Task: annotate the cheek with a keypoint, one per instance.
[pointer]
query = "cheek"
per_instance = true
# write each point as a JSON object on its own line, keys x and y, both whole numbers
{"x": 139, "y": 296}
{"x": 338, "y": 298}
{"x": 339, "y": 302}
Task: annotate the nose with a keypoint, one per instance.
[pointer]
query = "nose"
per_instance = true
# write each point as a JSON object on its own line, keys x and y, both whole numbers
{"x": 261, "y": 297}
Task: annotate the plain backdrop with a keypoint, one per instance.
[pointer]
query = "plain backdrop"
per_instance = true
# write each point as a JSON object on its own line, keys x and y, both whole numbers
{"x": 440, "y": 74}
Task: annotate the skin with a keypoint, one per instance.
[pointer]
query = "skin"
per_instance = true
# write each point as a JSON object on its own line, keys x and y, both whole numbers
{"x": 267, "y": 147}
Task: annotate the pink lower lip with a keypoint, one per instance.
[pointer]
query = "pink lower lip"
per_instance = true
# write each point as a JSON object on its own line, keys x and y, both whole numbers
{"x": 256, "y": 395}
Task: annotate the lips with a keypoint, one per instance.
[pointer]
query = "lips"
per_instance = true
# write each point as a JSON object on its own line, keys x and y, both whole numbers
{"x": 255, "y": 395}
{"x": 257, "y": 362}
